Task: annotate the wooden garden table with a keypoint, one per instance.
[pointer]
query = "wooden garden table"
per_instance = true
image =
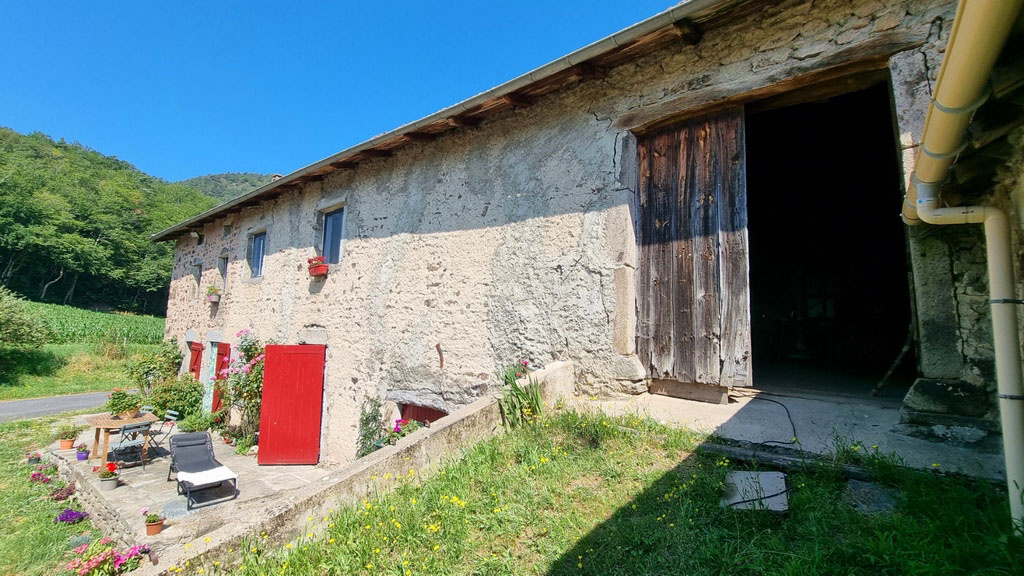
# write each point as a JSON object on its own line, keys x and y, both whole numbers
{"x": 106, "y": 423}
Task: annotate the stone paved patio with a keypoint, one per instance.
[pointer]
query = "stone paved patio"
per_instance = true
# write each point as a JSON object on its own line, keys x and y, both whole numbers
{"x": 258, "y": 486}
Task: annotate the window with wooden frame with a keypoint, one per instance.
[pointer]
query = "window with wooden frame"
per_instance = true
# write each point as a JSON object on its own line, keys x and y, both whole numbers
{"x": 256, "y": 249}
{"x": 334, "y": 228}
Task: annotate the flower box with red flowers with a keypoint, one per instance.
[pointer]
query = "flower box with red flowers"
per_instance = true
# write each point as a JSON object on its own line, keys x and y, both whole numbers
{"x": 317, "y": 266}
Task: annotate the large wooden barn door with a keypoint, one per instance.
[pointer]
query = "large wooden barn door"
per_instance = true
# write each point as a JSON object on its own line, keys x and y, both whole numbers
{"x": 693, "y": 323}
{"x": 293, "y": 393}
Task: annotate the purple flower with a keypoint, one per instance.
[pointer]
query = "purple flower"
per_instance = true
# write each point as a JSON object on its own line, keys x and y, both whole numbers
{"x": 71, "y": 516}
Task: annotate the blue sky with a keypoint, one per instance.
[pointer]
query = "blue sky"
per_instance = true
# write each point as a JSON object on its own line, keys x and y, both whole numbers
{"x": 182, "y": 89}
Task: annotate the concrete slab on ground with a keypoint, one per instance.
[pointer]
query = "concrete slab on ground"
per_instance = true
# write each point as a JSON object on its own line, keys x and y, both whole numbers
{"x": 820, "y": 422}
{"x": 745, "y": 490}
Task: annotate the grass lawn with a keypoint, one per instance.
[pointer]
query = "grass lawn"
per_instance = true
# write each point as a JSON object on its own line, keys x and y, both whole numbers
{"x": 30, "y": 541}
{"x": 587, "y": 495}
{"x": 57, "y": 369}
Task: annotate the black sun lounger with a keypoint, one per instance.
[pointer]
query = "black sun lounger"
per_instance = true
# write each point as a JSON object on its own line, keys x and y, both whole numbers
{"x": 197, "y": 469}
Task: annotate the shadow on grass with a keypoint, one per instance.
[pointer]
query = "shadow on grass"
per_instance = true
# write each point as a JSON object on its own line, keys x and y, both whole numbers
{"x": 939, "y": 526}
{"x": 15, "y": 362}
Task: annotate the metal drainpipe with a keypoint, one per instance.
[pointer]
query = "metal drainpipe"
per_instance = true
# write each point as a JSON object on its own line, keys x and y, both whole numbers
{"x": 979, "y": 33}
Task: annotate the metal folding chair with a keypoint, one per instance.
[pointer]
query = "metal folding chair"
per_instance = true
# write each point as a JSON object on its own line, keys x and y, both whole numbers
{"x": 133, "y": 437}
{"x": 165, "y": 429}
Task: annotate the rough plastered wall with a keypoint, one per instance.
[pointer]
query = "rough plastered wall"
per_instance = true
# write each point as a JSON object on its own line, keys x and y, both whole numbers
{"x": 511, "y": 239}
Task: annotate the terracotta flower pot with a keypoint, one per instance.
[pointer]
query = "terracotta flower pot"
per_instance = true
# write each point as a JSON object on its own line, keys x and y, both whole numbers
{"x": 67, "y": 443}
{"x": 154, "y": 528}
{"x": 319, "y": 270}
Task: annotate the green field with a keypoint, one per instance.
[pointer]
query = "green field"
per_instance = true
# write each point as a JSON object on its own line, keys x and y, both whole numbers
{"x": 86, "y": 352}
{"x": 69, "y": 325}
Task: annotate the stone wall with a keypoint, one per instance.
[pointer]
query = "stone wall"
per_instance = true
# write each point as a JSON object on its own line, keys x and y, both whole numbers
{"x": 511, "y": 239}
{"x": 948, "y": 263}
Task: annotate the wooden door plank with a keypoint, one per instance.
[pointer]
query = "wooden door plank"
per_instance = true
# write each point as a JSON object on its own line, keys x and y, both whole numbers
{"x": 705, "y": 169}
{"x": 734, "y": 256}
{"x": 644, "y": 286}
{"x": 682, "y": 309}
{"x": 663, "y": 200}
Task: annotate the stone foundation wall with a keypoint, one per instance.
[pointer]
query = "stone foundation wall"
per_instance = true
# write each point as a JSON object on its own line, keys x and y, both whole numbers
{"x": 511, "y": 239}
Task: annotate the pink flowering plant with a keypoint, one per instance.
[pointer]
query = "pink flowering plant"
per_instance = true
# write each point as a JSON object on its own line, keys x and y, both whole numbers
{"x": 242, "y": 381}
{"x": 519, "y": 405}
{"x": 401, "y": 429}
{"x": 151, "y": 517}
{"x": 101, "y": 557}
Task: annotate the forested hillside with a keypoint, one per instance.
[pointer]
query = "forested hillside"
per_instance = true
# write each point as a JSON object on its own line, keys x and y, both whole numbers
{"x": 226, "y": 186}
{"x": 75, "y": 225}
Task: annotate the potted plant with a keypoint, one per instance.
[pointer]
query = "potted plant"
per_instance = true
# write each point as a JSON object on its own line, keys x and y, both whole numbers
{"x": 33, "y": 457}
{"x": 317, "y": 266}
{"x": 108, "y": 477}
{"x": 122, "y": 404}
{"x": 212, "y": 293}
{"x": 82, "y": 452}
{"x": 67, "y": 434}
{"x": 154, "y": 522}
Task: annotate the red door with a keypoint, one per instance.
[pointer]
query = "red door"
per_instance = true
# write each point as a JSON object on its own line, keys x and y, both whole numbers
{"x": 195, "y": 359}
{"x": 223, "y": 361}
{"x": 293, "y": 393}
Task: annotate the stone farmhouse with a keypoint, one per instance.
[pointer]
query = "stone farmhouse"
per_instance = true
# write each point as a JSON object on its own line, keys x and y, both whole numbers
{"x": 705, "y": 200}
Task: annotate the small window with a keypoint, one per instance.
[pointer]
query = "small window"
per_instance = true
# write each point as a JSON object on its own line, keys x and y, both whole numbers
{"x": 222, "y": 267}
{"x": 199, "y": 239}
{"x": 332, "y": 236}
{"x": 257, "y": 245}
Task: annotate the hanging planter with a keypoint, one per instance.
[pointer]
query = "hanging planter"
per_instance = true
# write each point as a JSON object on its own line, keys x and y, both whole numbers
{"x": 317, "y": 266}
{"x": 212, "y": 294}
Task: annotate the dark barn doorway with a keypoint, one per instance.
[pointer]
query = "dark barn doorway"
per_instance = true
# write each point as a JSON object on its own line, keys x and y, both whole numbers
{"x": 829, "y": 290}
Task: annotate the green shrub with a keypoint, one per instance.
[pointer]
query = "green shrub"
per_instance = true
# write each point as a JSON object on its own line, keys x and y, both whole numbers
{"x": 18, "y": 326}
{"x": 121, "y": 401}
{"x": 196, "y": 422}
{"x": 182, "y": 394}
{"x": 149, "y": 369}
{"x": 70, "y": 325}
{"x": 371, "y": 427}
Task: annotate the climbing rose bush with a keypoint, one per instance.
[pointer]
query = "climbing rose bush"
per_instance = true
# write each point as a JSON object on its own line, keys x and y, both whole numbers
{"x": 242, "y": 381}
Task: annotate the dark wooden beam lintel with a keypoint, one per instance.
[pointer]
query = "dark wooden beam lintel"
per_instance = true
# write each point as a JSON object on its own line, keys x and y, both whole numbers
{"x": 377, "y": 153}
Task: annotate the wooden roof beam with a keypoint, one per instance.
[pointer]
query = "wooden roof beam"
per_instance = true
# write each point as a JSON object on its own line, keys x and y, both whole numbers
{"x": 377, "y": 153}
{"x": 344, "y": 165}
{"x": 589, "y": 71}
{"x": 517, "y": 100}
{"x": 688, "y": 30}
{"x": 420, "y": 136}
{"x": 463, "y": 121}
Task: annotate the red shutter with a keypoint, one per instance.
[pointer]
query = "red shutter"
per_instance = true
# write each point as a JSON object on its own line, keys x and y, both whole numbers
{"x": 195, "y": 359}
{"x": 421, "y": 414}
{"x": 293, "y": 392}
{"x": 223, "y": 361}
